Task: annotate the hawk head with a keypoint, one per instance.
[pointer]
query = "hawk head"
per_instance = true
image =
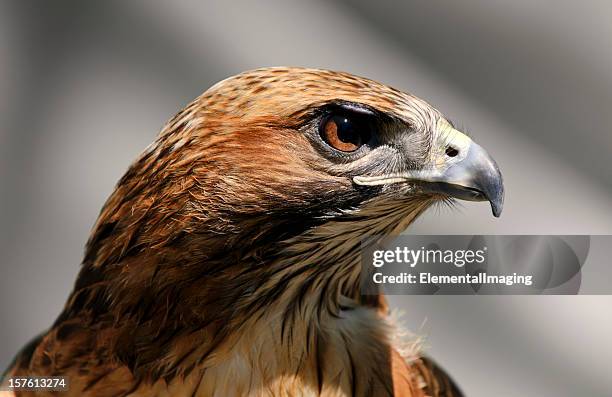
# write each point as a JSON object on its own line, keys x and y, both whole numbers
{"x": 324, "y": 143}
{"x": 272, "y": 153}
{"x": 313, "y": 144}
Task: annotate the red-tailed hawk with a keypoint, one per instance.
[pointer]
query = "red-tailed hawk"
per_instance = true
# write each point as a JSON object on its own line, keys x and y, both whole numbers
{"x": 227, "y": 260}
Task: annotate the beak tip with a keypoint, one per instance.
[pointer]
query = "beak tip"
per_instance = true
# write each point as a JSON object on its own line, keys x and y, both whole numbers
{"x": 497, "y": 205}
{"x": 493, "y": 186}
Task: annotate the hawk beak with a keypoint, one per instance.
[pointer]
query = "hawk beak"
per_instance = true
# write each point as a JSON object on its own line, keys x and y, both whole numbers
{"x": 460, "y": 168}
{"x": 476, "y": 177}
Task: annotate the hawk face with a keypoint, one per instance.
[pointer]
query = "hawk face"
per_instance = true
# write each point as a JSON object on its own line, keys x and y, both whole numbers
{"x": 398, "y": 159}
{"x": 313, "y": 143}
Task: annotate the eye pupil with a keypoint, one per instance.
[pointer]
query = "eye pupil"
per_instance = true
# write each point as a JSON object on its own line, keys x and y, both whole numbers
{"x": 345, "y": 133}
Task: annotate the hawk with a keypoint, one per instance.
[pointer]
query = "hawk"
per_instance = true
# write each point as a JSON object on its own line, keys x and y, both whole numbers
{"x": 227, "y": 260}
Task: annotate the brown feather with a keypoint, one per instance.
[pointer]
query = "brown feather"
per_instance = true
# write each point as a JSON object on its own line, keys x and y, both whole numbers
{"x": 226, "y": 261}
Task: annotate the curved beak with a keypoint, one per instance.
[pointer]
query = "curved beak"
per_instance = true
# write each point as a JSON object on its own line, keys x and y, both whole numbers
{"x": 459, "y": 168}
{"x": 476, "y": 178}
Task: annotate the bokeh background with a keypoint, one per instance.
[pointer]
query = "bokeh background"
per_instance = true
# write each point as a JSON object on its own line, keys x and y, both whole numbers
{"x": 85, "y": 86}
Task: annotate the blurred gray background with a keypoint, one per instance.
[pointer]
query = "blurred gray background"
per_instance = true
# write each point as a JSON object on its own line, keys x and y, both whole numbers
{"x": 85, "y": 86}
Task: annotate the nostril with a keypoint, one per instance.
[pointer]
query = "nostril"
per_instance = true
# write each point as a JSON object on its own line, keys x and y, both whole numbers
{"x": 451, "y": 151}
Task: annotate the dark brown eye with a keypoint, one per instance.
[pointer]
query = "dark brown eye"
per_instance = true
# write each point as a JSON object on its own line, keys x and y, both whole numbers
{"x": 345, "y": 133}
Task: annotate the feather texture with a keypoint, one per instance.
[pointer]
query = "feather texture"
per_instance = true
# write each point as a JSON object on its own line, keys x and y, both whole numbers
{"x": 227, "y": 260}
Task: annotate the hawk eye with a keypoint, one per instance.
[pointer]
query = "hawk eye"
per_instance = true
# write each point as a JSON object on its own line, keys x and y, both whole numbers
{"x": 346, "y": 132}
